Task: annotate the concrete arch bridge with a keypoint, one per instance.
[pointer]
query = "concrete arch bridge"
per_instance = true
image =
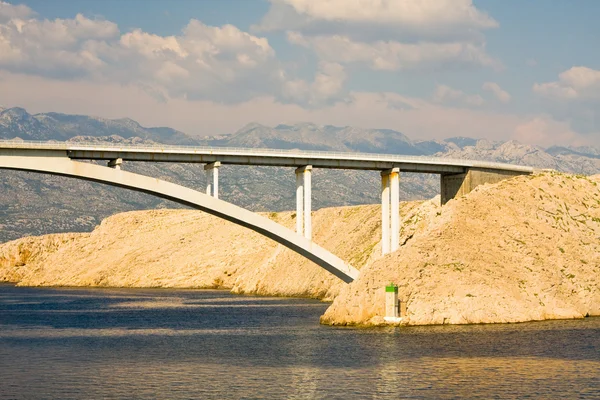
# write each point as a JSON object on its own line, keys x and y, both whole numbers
{"x": 457, "y": 177}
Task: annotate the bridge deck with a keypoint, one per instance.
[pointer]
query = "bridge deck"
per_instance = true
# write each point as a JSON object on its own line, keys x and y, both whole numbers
{"x": 262, "y": 157}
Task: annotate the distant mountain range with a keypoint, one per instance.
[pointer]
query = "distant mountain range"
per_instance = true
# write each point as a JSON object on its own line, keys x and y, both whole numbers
{"x": 17, "y": 122}
{"x": 36, "y": 204}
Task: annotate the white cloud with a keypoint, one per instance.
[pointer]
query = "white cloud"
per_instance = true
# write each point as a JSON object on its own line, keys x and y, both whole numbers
{"x": 51, "y": 47}
{"x": 391, "y": 55}
{"x": 447, "y": 95}
{"x": 9, "y": 11}
{"x": 419, "y": 119}
{"x": 573, "y": 84}
{"x": 497, "y": 91}
{"x": 326, "y": 87}
{"x": 386, "y": 34}
{"x": 221, "y": 63}
{"x": 547, "y": 131}
{"x": 574, "y": 97}
{"x": 404, "y": 17}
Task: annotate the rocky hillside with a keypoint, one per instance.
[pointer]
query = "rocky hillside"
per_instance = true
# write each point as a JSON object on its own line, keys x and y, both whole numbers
{"x": 34, "y": 204}
{"x": 182, "y": 248}
{"x": 524, "y": 249}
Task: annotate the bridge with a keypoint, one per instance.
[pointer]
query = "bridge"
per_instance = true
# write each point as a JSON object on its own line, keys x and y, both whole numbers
{"x": 457, "y": 177}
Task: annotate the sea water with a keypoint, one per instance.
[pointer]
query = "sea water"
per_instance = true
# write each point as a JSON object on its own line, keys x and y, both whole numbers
{"x": 182, "y": 344}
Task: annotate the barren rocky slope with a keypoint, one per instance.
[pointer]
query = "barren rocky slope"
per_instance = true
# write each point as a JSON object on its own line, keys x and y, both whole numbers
{"x": 180, "y": 248}
{"x": 525, "y": 249}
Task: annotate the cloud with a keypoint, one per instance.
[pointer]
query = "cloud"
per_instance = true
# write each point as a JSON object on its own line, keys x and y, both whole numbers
{"x": 10, "y": 11}
{"x": 224, "y": 63}
{"x": 423, "y": 18}
{"x": 497, "y": 91}
{"x": 384, "y": 34}
{"x": 220, "y": 63}
{"x": 577, "y": 83}
{"x": 419, "y": 119}
{"x": 391, "y": 55}
{"x": 205, "y": 62}
{"x": 574, "y": 97}
{"x": 447, "y": 95}
{"x": 59, "y": 47}
{"x": 547, "y": 131}
{"x": 326, "y": 87}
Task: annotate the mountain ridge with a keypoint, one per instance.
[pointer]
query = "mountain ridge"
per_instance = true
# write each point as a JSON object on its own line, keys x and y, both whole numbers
{"x": 16, "y": 122}
{"x": 34, "y": 204}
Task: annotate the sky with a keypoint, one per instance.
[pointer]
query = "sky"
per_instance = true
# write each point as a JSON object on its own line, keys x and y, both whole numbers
{"x": 432, "y": 69}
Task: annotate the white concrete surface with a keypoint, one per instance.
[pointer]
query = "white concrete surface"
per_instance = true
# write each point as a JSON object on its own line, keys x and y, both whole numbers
{"x": 385, "y": 213}
{"x": 268, "y": 157}
{"x": 308, "y": 202}
{"x": 299, "y": 203}
{"x": 394, "y": 209}
{"x": 304, "y": 201}
{"x": 390, "y": 210}
{"x": 212, "y": 179}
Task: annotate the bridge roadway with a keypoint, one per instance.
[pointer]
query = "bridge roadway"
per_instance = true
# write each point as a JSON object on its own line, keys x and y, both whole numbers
{"x": 458, "y": 177}
{"x": 262, "y": 157}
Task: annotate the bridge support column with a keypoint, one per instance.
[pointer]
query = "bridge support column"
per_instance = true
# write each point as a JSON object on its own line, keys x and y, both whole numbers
{"x": 115, "y": 163}
{"x": 212, "y": 179}
{"x": 304, "y": 201}
{"x": 390, "y": 210}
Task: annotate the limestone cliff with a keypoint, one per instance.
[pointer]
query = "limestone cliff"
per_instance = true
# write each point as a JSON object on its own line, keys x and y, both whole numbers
{"x": 176, "y": 248}
{"x": 525, "y": 249}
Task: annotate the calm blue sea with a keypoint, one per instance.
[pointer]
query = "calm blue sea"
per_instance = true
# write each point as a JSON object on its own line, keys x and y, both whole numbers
{"x": 199, "y": 344}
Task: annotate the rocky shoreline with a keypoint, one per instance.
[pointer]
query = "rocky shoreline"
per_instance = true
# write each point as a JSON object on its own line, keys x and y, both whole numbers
{"x": 525, "y": 249}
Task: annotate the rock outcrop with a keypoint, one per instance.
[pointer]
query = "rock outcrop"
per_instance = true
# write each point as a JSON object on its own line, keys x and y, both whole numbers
{"x": 525, "y": 249}
{"x": 179, "y": 248}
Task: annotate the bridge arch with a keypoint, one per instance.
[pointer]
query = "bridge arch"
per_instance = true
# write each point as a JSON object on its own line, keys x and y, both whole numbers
{"x": 56, "y": 164}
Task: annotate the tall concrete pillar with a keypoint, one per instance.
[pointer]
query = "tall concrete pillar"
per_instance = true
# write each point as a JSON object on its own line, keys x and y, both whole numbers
{"x": 299, "y": 202}
{"x": 395, "y": 209}
{"x": 304, "y": 201}
{"x": 212, "y": 179}
{"x": 385, "y": 213}
{"x": 115, "y": 163}
{"x": 308, "y": 203}
{"x": 390, "y": 205}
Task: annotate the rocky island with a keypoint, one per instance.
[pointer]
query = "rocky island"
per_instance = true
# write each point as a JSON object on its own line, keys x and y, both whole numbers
{"x": 524, "y": 249}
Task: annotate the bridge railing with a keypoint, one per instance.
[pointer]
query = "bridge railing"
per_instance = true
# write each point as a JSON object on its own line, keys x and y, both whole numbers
{"x": 292, "y": 153}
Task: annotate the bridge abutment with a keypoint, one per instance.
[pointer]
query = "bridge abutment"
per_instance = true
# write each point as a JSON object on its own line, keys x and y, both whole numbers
{"x": 212, "y": 179}
{"x": 390, "y": 205}
{"x": 456, "y": 185}
{"x": 304, "y": 201}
